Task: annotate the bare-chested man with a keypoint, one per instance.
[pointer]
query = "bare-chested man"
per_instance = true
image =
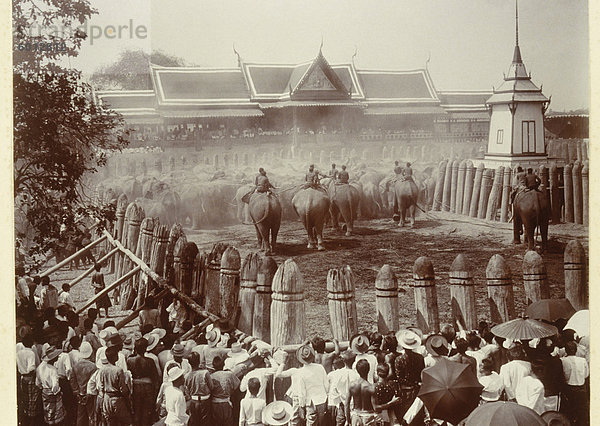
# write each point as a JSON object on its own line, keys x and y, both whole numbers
{"x": 360, "y": 393}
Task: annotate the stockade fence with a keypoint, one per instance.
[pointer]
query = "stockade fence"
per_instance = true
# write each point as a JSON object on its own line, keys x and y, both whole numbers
{"x": 259, "y": 298}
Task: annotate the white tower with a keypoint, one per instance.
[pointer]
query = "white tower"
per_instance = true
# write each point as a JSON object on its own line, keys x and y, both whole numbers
{"x": 517, "y": 117}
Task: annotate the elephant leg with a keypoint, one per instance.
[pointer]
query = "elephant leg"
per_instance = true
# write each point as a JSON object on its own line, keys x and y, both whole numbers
{"x": 516, "y": 227}
{"x": 335, "y": 224}
{"x": 240, "y": 210}
{"x": 274, "y": 232}
{"x": 530, "y": 235}
{"x": 319, "y": 235}
{"x": 247, "y": 217}
{"x": 544, "y": 233}
{"x": 412, "y": 215}
{"x": 259, "y": 237}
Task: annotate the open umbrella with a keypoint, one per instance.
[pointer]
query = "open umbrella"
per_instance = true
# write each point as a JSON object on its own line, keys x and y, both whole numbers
{"x": 524, "y": 329}
{"x": 503, "y": 413}
{"x": 580, "y": 322}
{"x": 450, "y": 390}
{"x": 550, "y": 309}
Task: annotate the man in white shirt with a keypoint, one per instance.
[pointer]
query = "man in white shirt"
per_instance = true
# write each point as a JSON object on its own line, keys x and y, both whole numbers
{"x": 360, "y": 346}
{"x": 576, "y": 372}
{"x": 29, "y": 399}
{"x": 177, "y": 358}
{"x": 273, "y": 363}
{"x": 339, "y": 384}
{"x": 530, "y": 390}
{"x": 47, "y": 380}
{"x": 175, "y": 400}
{"x": 513, "y": 371}
{"x": 313, "y": 386}
{"x": 251, "y": 407}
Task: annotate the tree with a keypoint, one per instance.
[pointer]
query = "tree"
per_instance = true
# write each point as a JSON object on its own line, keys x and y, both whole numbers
{"x": 61, "y": 135}
{"x": 132, "y": 70}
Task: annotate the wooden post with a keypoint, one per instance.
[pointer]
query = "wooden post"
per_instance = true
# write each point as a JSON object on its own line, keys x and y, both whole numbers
{"x": 454, "y": 186}
{"x": 213, "y": 277}
{"x": 248, "y": 284}
{"x": 229, "y": 284}
{"x": 447, "y": 186}
{"x": 535, "y": 280}
{"x": 158, "y": 165}
{"x": 425, "y": 296}
{"x": 500, "y": 291}
{"x": 579, "y": 151}
{"x": 568, "y": 185}
{"x": 576, "y": 285}
{"x": 495, "y": 195}
{"x": 555, "y": 200}
{"x": 174, "y": 234}
{"x": 198, "y": 286}
{"x": 462, "y": 294}
{"x": 261, "y": 323}
{"x": 439, "y": 186}
{"x": 476, "y": 190}
{"x": 143, "y": 168}
{"x": 177, "y": 252}
{"x": 384, "y": 153}
{"x": 342, "y": 305}
{"x": 577, "y": 193}
{"x": 386, "y": 292}
{"x": 188, "y": 256}
{"x": 133, "y": 216}
{"x": 468, "y": 192}
{"x": 122, "y": 203}
{"x": 486, "y": 187}
{"x": 216, "y": 161}
{"x": 585, "y": 188}
{"x": 460, "y": 187}
{"x": 144, "y": 252}
{"x": 287, "y": 306}
{"x": 160, "y": 241}
{"x": 544, "y": 175}
{"x": 506, "y": 191}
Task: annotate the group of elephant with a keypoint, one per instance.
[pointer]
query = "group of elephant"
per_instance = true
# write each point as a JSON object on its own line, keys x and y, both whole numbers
{"x": 209, "y": 202}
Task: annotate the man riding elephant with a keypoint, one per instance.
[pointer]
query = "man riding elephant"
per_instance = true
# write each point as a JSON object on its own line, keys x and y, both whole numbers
{"x": 265, "y": 211}
{"x": 407, "y": 173}
{"x": 261, "y": 184}
{"x": 333, "y": 173}
{"x": 312, "y": 178}
{"x": 343, "y": 176}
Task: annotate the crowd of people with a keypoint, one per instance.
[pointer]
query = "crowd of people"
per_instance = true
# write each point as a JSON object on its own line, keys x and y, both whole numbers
{"x": 80, "y": 369}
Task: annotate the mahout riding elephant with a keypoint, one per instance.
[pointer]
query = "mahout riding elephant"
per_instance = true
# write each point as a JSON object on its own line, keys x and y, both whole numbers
{"x": 344, "y": 203}
{"x": 265, "y": 213}
{"x": 530, "y": 210}
{"x": 406, "y": 195}
{"x": 312, "y": 205}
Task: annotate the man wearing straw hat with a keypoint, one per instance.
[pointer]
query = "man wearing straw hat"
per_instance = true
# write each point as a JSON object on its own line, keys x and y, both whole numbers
{"x": 82, "y": 371}
{"x": 360, "y": 345}
{"x": 213, "y": 337}
{"x": 313, "y": 385}
{"x": 47, "y": 380}
{"x": 177, "y": 358}
{"x": 277, "y": 413}
{"x": 175, "y": 400}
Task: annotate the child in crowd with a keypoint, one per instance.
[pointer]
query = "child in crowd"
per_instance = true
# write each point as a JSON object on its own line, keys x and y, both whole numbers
{"x": 490, "y": 380}
{"x": 64, "y": 296}
{"x": 251, "y": 407}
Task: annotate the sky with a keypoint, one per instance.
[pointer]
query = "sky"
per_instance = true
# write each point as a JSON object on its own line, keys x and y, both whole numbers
{"x": 469, "y": 42}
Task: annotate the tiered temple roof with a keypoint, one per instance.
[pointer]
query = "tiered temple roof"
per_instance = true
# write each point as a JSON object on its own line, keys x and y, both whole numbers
{"x": 252, "y": 88}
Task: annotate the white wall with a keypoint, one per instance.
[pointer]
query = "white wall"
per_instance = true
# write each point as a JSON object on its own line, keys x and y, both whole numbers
{"x": 528, "y": 112}
{"x": 501, "y": 119}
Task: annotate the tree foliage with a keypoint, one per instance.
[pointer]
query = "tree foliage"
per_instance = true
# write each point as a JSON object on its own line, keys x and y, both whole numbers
{"x": 61, "y": 135}
{"x": 132, "y": 71}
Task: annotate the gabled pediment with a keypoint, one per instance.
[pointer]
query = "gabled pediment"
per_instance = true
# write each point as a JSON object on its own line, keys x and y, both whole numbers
{"x": 319, "y": 81}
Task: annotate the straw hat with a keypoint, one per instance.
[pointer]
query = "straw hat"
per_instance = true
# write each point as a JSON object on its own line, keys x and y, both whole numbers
{"x": 160, "y": 332}
{"x": 128, "y": 343}
{"x": 277, "y": 413}
{"x": 554, "y": 418}
{"x": 51, "y": 354}
{"x": 152, "y": 341}
{"x": 177, "y": 350}
{"x": 408, "y": 339}
{"x": 305, "y": 354}
{"x": 359, "y": 344}
{"x": 86, "y": 350}
{"x": 174, "y": 374}
{"x": 236, "y": 348}
{"x": 213, "y": 337}
{"x": 435, "y": 343}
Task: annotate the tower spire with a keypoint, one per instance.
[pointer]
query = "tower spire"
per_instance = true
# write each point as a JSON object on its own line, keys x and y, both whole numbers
{"x": 517, "y": 55}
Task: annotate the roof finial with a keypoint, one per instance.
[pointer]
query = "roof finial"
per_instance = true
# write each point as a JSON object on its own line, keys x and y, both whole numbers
{"x": 321, "y": 46}
{"x": 238, "y": 55}
{"x": 354, "y": 54}
{"x": 427, "y": 61}
{"x": 517, "y": 21}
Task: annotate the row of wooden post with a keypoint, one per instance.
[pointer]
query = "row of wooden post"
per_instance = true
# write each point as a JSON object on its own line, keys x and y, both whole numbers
{"x": 478, "y": 192}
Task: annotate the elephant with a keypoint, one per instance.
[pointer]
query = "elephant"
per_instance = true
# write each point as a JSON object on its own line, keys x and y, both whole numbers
{"x": 312, "y": 205}
{"x": 531, "y": 209}
{"x": 406, "y": 195}
{"x": 265, "y": 212}
{"x": 344, "y": 203}
{"x": 386, "y": 192}
{"x": 371, "y": 203}
{"x": 243, "y": 214}
{"x": 166, "y": 205}
{"x": 208, "y": 204}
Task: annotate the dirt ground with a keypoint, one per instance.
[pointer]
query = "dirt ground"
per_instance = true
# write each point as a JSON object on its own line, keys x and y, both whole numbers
{"x": 437, "y": 235}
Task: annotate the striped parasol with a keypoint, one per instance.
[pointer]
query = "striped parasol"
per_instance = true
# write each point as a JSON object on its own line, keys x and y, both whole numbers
{"x": 524, "y": 329}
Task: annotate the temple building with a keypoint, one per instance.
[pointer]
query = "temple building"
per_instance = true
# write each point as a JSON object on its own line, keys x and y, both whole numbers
{"x": 298, "y": 101}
